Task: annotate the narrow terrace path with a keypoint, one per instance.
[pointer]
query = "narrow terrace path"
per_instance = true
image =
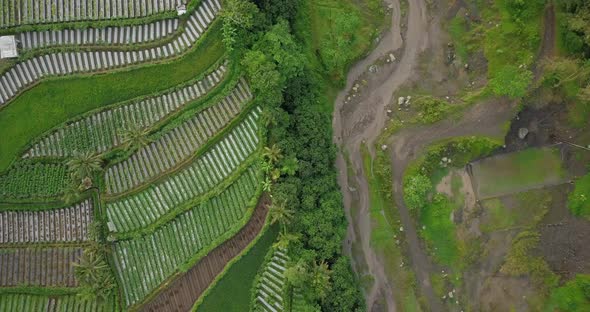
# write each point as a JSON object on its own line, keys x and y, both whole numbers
{"x": 185, "y": 290}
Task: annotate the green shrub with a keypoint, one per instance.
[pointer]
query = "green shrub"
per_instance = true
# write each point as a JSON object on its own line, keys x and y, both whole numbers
{"x": 431, "y": 109}
{"x": 416, "y": 189}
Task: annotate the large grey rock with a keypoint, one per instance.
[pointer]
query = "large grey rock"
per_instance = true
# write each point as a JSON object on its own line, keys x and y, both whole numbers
{"x": 522, "y": 133}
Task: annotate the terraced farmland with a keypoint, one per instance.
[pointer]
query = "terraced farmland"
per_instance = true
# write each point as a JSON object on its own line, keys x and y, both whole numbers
{"x": 122, "y": 198}
{"x": 101, "y": 131}
{"x": 179, "y": 143}
{"x": 181, "y": 294}
{"x": 122, "y": 35}
{"x": 26, "y": 12}
{"x": 144, "y": 263}
{"x": 33, "y": 303}
{"x": 33, "y": 180}
{"x": 51, "y": 266}
{"x": 32, "y": 70}
{"x": 270, "y": 293}
{"x": 57, "y": 225}
{"x": 202, "y": 175}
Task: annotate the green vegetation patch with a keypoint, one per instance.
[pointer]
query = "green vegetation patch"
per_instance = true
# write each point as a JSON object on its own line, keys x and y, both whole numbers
{"x": 232, "y": 291}
{"x": 385, "y": 236}
{"x": 342, "y": 30}
{"x": 574, "y": 296}
{"x": 510, "y": 35}
{"x": 54, "y": 101}
{"x": 517, "y": 172}
{"x": 579, "y": 200}
{"x": 521, "y": 210}
{"x": 439, "y": 230}
{"x": 33, "y": 180}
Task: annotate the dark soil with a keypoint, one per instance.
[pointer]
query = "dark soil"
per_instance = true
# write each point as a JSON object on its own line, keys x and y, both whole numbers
{"x": 565, "y": 238}
{"x": 185, "y": 290}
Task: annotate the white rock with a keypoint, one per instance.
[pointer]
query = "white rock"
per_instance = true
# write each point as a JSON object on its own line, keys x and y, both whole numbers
{"x": 450, "y": 294}
{"x": 401, "y": 100}
{"x": 401, "y": 228}
{"x": 383, "y": 147}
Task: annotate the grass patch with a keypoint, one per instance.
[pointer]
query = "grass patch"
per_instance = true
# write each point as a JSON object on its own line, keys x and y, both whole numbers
{"x": 341, "y": 31}
{"x": 459, "y": 33}
{"x": 511, "y": 173}
{"x": 439, "y": 231}
{"x": 528, "y": 211}
{"x": 237, "y": 282}
{"x": 54, "y": 101}
{"x": 579, "y": 200}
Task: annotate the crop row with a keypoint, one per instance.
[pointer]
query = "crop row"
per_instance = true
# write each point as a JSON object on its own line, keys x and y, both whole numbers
{"x": 38, "y": 266}
{"x": 98, "y": 36}
{"x": 270, "y": 291}
{"x": 143, "y": 264}
{"x": 59, "y": 225}
{"x": 36, "y": 180}
{"x": 24, "y": 12}
{"x": 102, "y": 131}
{"x": 38, "y": 303}
{"x": 177, "y": 144}
{"x": 143, "y": 208}
{"x": 25, "y": 73}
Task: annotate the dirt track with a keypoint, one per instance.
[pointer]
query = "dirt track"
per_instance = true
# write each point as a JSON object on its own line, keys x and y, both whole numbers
{"x": 364, "y": 122}
{"x": 356, "y": 130}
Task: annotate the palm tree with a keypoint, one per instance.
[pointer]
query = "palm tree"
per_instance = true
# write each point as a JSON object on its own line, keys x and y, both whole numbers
{"x": 280, "y": 213}
{"x": 134, "y": 136}
{"x": 320, "y": 279}
{"x": 71, "y": 193}
{"x": 84, "y": 164}
{"x": 266, "y": 166}
{"x": 266, "y": 185}
{"x": 272, "y": 154}
{"x": 94, "y": 275}
{"x": 284, "y": 240}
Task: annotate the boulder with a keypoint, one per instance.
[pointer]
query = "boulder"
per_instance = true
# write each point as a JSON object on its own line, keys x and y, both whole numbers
{"x": 401, "y": 100}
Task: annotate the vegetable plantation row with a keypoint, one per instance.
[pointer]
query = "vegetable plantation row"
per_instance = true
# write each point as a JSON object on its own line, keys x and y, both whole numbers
{"x": 177, "y": 144}
{"x": 32, "y": 70}
{"x": 98, "y": 36}
{"x": 50, "y": 266}
{"x": 101, "y": 131}
{"x": 23, "y": 12}
{"x": 208, "y": 170}
{"x": 144, "y": 263}
{"x": 58, "y": 225}
{"x": 36, "y": 303}
{"x": 33, "y": 180}
{"x": 270, "y": 291}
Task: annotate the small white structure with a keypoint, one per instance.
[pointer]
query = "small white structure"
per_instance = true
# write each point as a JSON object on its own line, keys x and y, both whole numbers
{"x": 8, "y": 47}
{"x": 181, "y": 9}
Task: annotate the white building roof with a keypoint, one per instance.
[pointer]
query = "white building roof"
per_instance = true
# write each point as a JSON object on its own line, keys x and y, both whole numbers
{"x": 8, "y": 47}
